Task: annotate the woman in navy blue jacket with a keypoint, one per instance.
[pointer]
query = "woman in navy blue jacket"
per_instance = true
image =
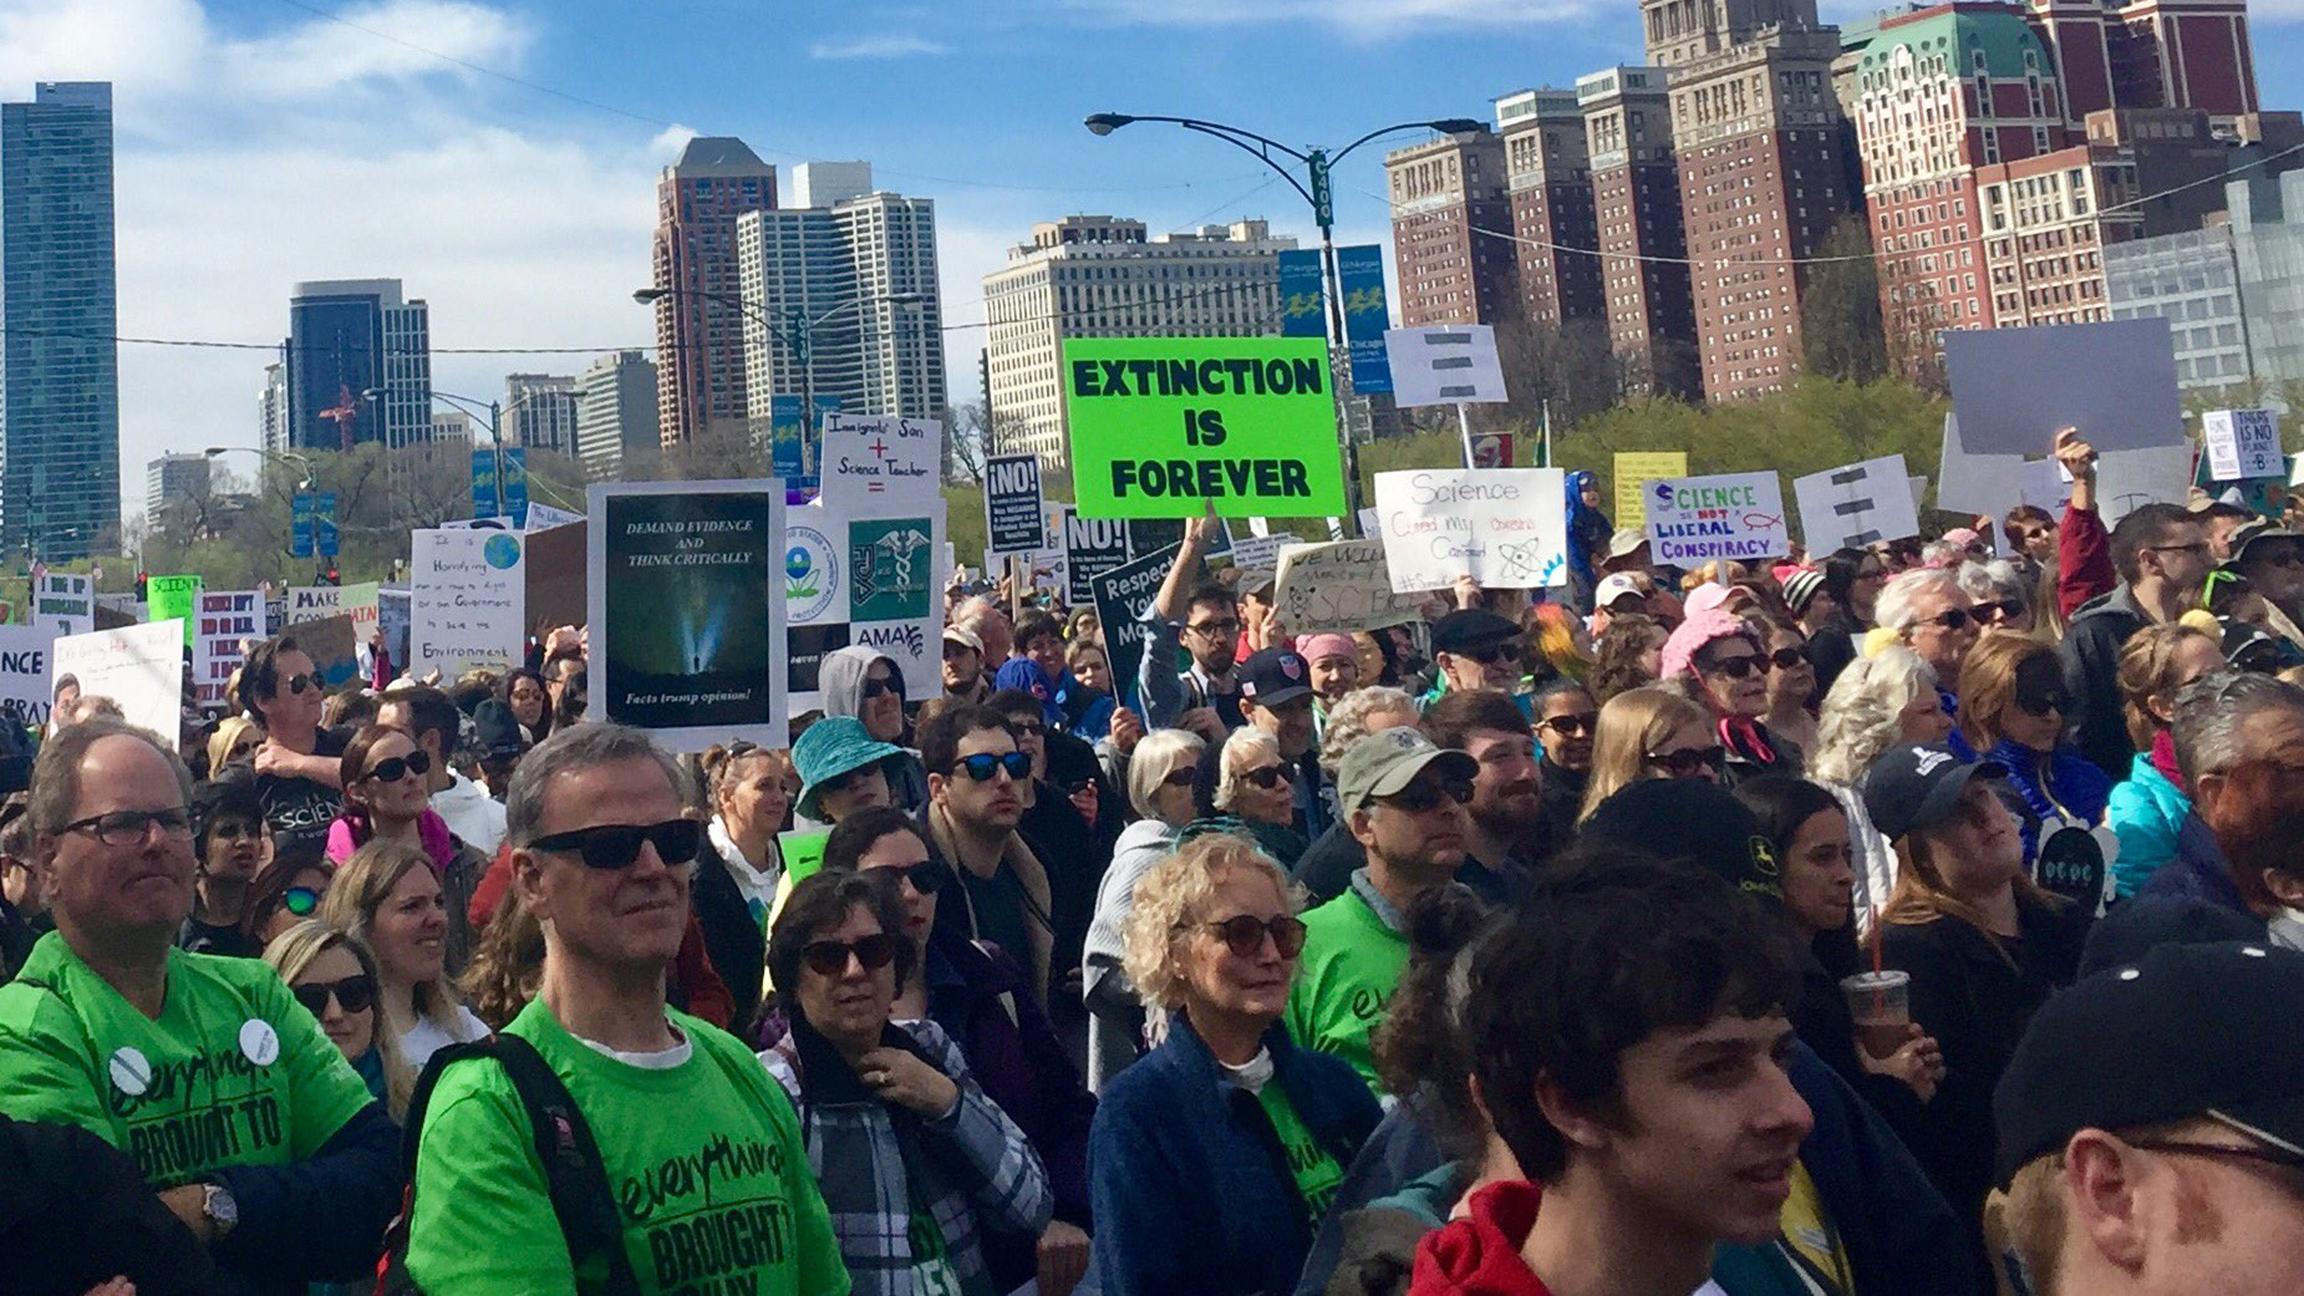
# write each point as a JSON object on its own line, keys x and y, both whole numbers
{"x": 2013, "y": 706}
{"x": 1212, "y": 1160}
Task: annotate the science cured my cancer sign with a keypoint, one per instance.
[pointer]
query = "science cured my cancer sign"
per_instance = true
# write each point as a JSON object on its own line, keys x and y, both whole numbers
{"x": 1166, "y": 427}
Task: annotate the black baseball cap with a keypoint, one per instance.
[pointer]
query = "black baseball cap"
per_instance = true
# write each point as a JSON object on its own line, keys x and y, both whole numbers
{"x": 1274, "y": 676}
{"x": 1693, "y": 820}
{"x": 1916, "y": 786}
{"x": 2249, "y": 533}
{"x": 2187, "y": 1031}
{"x": 1469, "y": 628}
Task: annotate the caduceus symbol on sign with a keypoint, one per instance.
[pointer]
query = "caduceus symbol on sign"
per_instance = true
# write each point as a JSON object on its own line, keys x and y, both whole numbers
{"x": 901, "y": 546}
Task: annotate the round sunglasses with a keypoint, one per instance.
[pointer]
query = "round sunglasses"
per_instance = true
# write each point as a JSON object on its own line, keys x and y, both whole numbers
{"x": 830, "y": 957}
{"x": 1690, "y": 761}
{"x": 353, "y": 993}
{"x": 1244, "y": 934}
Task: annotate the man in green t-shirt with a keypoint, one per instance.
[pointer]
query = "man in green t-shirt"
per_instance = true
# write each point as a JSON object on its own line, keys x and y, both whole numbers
{"x": 701, "y": 1148}
{"x": 1403, "y": 800}
{"x": 249, "y": 1124}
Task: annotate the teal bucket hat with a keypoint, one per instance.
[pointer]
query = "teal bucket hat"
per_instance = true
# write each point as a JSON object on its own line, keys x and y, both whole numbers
{"x": 830, "y": 748}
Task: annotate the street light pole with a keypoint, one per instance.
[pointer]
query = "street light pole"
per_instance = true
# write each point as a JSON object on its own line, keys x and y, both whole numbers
{"x": 496, "y": 412}
{"x": 1320, "y": 193}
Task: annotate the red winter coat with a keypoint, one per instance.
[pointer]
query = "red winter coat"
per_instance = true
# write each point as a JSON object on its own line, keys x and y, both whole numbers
{"x": 1479, "y": 1255}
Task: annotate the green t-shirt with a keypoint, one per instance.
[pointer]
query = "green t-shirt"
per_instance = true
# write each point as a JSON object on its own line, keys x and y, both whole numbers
{"x": 1350, "y": 966}
{"x": 704, "y": 1159}
{"x": 234, "y": 1072}
{"x": 1317, "y": 1174}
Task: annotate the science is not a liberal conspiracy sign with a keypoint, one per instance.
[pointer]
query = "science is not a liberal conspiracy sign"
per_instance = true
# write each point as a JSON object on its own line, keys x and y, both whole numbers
{"x": 1167, "y": 427}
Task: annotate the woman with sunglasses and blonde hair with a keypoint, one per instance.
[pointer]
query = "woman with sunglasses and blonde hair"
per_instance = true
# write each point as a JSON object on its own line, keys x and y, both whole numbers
{"x": 1647, "y": 733}
{"x": 388, "y": 896}
{"x": 334, "y": 976}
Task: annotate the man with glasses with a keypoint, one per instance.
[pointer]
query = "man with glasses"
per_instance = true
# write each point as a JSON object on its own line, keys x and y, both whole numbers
{"x": 1506, "y": 833}
{"x": 1474, "y": 648}
{"x": 251, "y": 1126}
{"x": 297, "y": 769}
{"x": 2151, "y": 1129}
{"x": 702, "y": 1151}
{"x": 1403, "y": 800}
{"x": 979, "y": 781}
{"x": 2161, "y": 555}
{"x": 1203, "y": 619}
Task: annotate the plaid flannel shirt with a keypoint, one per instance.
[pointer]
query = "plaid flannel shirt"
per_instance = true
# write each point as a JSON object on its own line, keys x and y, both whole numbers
{"x": 970, "y": 1169}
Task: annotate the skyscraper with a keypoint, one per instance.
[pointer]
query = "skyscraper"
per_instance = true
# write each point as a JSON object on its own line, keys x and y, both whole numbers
{"x": 699, "y": 320}
{"x": 59, "y": 305}
{"x": 615, "y": 414}
{"x": 847, "y": 243}
{"x": 540, "y": 412}
{"x": 1636, "y": 205}
{"x": 1548, "y": 167}
{"x": 272, "y": 406}
{"x": 347, "y": 337}
{"x": 173, "y": 476}
{"x": 1449, "y": 205}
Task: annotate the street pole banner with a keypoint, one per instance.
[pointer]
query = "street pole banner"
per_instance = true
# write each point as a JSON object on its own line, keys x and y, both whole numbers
{"x": 467, "y": 602}
{"x": 1302, "y": 295}
{"x": 2242, "y": 444}
{"x": 879, "y": 461}
{"x": 1452, "y": 364}
{"x": 173, "y": 598}
{"x": 1092, "y": 547}
{"x": 141, "y": 667}
{"x": 1168, "y": 427}
{"x": 686, "y": 610}
{"x": 2013, "y": 388}
{"x": 1015, "y": 515}
{"x": 1506, "y": 528}
{"x": 1122, "y": 595}
{"x": 300, "y": 539}
{"x": 1856, "y": 505}
{"x": 226, "y": 619}
{"x": 1360, "y": 276}
{"x": 1733, "y": 516}
{"x": 1634, "y": 470}
{"x": 65, "y": 603}
{"x": 786, "y": 460}
{"x": 24, "y": 660}
{"x": 326, "y": 538}
{"x": 1341, "y": 586}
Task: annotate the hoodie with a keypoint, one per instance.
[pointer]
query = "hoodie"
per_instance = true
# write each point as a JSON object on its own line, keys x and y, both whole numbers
{"x": 1116, "y": 1016}
{"x": 840, "y": 682}
{"x": 1479, "y": 1255}
{"x": 2091, "y": 658}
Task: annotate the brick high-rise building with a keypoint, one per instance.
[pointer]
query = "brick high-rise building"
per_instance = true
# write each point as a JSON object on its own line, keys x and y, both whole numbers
{"x": 699, "y": 320}
{"x": 1548, "y": 171}
{"x": 1636, "y": 207}
{"x": 1451, "y": 227}
{"x": 2151, "y": 54}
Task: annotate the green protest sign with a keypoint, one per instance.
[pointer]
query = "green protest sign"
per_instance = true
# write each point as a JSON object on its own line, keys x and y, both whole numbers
{"x": 1165, "y": 427}
{"x": 803, "y": 854}
{"x": 172, "y": 596}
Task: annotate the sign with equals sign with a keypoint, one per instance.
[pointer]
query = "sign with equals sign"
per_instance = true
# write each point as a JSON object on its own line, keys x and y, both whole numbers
{"x": 1448, "y": 365}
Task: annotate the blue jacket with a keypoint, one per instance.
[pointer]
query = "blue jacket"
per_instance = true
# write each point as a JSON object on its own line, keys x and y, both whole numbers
{"x": 1192, "y": 1191}
{"x": 2199, "y": 871}
{"x": 2146, "y": 811}
{"x": 2059, "y": 784}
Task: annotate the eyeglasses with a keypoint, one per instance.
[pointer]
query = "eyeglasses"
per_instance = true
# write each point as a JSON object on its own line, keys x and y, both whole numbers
{"x": 1572, "y": 726}
{"x": 300, "y": 901}
{"x": 1212, "y": 629}
{"x": 2262, "y": 1155}
{"x": 2030, "y": 534}
{"x": 1785, "y": 659}
{"x": 1506, "y": 652}
{"x": 1244, "y": 934}
{"x": 927, "y": 877}
{"x": 1689, "y": 761}
{"x": 1948, "y": 619}
{"x": 1735, "y": 668}
{"x": 392, "y": 769}
{"x": 353, "y": 993}
{"x": 830, "y": 957}
{"x": 2197, "y": 546}
{"x": 240, "y": 749}
{"x": 1027, "y": 728}
{"x": 130, "y": 827}
{"x": 236, "y": 830}
{"x": 2044, "y": 701}
{"x": 2004, "y": 610}
{"x": 615, "y": 846}
{"x": 875, "y": 686}
{"x": 1179, "y": 778}
{"x": 982, "y": 766}
{"x": 1270, "y": 776}
{"x": 298, "y": 683}
{"x": 1426, "y": 794}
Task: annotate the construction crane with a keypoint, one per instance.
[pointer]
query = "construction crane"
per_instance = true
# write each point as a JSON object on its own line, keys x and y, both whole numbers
{"x": 345, "y": 414}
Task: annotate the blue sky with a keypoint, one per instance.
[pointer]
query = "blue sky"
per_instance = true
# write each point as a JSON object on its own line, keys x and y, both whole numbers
{"x": 261, "y": 142}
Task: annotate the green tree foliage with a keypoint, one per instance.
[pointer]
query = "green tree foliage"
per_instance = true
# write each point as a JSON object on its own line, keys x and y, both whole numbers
{"x": 1840, "y": 331}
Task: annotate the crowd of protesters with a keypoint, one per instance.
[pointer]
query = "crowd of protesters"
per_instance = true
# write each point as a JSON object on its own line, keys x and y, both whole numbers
{"x": 1913, "y": 919}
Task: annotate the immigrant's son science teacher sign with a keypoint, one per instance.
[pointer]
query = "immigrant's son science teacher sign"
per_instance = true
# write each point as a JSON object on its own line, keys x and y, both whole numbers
{"x": 1167, "y": 427}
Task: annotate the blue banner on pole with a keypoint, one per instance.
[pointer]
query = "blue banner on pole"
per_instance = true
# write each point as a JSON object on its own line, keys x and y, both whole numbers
{"x": 483, "y": 483}
{"x": 1300, "y": 313}
{"x": 324, "y": 534}
{"x": 784, "y": 456}
{"x": 1360, "y": 275}
{"x": 300, "y": 525}
{"x": 516, "y": 486}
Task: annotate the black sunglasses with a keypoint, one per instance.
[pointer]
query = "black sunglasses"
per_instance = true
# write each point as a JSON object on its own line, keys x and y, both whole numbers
{"x": 1498, "y": 652}
{"x": 875, "y": 687}
{"x": 2004, "y": 610}
{"x": 615, "y": 846}
{"x": 830, "y": 957}
{"x": 1180, "y": 778}
{"x": 1572, "y": 726}
{"x": 927, "y": 877}
{"x": 1948, "y": 619}
{"x": 1688, "y": 760}
{"x": 1785, "y": 659}
{"x": 355, "y": 993}
{"x": 298, "y": 683}
{"x": 1244, "y": 934}
{"x": 1427, "y": 794}
{"x": 392, "y": 769}
{"x": 1270, "y": 776}
{"x": 983, "y": 766}
{"x": 2042, "y": 702}
{"x": 1735, "y": 668}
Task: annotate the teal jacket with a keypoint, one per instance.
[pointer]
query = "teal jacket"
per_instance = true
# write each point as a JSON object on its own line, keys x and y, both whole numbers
{"x": 2145, "y": 810}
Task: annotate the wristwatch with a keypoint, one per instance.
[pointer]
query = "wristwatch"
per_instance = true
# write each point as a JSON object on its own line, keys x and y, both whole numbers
{"x": 223, "y": 1212}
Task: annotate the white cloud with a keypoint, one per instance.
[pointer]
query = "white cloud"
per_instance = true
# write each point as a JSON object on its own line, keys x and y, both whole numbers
{"x": 883, "y": 46}
{"x": 397, "y": 40}
{"x": 1360, "y": 18}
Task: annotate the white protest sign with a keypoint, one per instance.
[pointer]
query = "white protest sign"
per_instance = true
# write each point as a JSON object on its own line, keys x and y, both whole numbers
{"x": 221, "y": 621}
{"x": 2043, "y": 484}
{"x": 862, "y": 576}
{"x": 64, "y": 602}
{"x": 1260, "y": 553}
{"x": 544, "y": 517}
{"x": 24, "y": 660}
{"x": 1342, "y": 586}
{"x": 879, "y": 461}
{"x": 468, "y": 600}
{"x": 2126, "y": 480}
{"x": 1015, "y": 517}
{"x": 141, "y": 667}
{"x": 313, "y": 603}
{"x": 1447, "y": 365}
{"x": 2242, "y": 443}
{"x": 1504, "y": 527}
{"x": 1853, "y": 506}
{"x": 2014, "y": 388}
{"x": 479, "y": 524}
{"x": 1734, "y": 516}
{"x": 1048, "y": 568}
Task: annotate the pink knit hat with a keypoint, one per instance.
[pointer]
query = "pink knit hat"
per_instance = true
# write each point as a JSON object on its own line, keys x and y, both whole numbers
{"x": 1314, "y": 647}
{"x": 1712, "y": 595}
{"x": 1701, "y": 628}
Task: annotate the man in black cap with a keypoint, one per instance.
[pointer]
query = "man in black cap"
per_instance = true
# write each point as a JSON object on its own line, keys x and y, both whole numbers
{"x": 1276, "y": 697}
{"x": 2151, "y": 1129}
{"x": 1474, "y": 648}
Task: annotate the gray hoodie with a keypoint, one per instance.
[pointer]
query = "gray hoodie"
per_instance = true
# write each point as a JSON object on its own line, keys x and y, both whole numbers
{"x": 840, "y": 680}
{"x": 1112, "y": 1043}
